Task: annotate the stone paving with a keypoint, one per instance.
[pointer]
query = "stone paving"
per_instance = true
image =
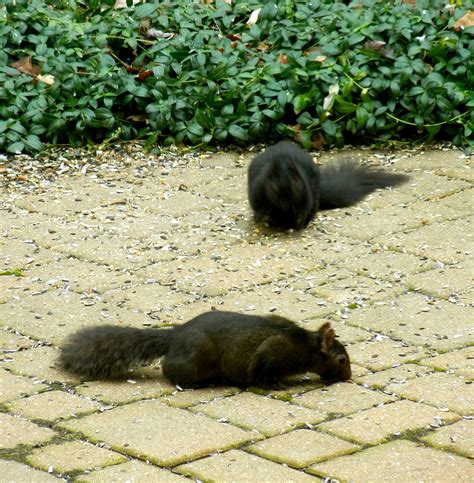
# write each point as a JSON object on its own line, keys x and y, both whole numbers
{"x": 394, "y": 275}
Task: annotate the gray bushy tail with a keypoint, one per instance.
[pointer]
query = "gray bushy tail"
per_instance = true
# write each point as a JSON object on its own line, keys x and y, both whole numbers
{"x": 345, "y": 183}
{"x": 107, "y": 351}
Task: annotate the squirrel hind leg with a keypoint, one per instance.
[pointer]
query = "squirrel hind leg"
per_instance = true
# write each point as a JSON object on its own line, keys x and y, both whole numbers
{"x": 192, "y": 370}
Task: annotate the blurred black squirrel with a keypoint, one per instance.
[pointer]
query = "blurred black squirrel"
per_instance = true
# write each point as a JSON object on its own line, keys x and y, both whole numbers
{"x": 212, "y": 348}
{"x": 286, "y": 188}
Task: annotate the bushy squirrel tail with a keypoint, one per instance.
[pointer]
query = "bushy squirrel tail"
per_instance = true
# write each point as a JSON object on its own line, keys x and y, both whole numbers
{"x": 107, "y": 351}
{"x": 345, "y": 183}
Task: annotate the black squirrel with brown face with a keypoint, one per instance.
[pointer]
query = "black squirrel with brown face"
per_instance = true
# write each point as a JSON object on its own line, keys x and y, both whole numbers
{"x": 286, "y": 188}
{"x": 214, "y": 347}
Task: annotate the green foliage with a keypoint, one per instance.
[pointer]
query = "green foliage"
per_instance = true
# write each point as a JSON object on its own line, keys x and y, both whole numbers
{"x": 367, "y": 71}
{"x": 17, "y": 272}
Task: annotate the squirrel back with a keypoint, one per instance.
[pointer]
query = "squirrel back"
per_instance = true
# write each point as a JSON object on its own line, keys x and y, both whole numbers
{"x": 214, "y": 347}
{"x": 286, "y": 187}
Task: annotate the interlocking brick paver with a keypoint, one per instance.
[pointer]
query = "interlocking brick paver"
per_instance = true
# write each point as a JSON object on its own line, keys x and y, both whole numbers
{"x": 458, "y": 362}
{"x": 53, "y": 315}
{"x": 13, "y": 387}
{"x": 132, "y": 471}
{"x": 342, "y": 398}
{"x": 375, "y": 425}
{"x": 390, "y": 265}
{"x": 187, "y": 398}
{"x": 457, "y": 437}
{"x": 149, "y": 429}
{"x": 20, "y": 253}
{"x": 302, "y": 447}
{"x": 451, "y": 281}
{"x": 15, "y": 431}
{"x": 418, "y": 321}
{"x": 395, "y": 375}
{"x": 436, "y": 161}
{"x": 397, "y": 460}
{"x": 73, "y": 456}
{"x": 269, "y": 416}
{"x": 150, "y": 297}
{"x": 440, "y": 390}
{"x": 38, "y": 362}
{"x": 53, "y": 405}
{"x": 137, "y": 386}
{"x": 355, "y": 289}
{"x": 446, "y": 242}
{"x": 383, "y": 353}
{"x": 156, "y": 240}
{"x": 13, "y": 471}
{"x": 242, "y": 467}
{"x": 78, "y": 275}
{"x": 11, "y": 342}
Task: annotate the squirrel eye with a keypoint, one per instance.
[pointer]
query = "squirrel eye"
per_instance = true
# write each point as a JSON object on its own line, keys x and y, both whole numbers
{"x": 341, "y": 359}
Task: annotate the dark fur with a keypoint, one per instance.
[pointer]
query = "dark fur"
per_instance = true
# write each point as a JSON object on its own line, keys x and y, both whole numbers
{"x": 215, "y": 347}
{"x": 286, "y": 188}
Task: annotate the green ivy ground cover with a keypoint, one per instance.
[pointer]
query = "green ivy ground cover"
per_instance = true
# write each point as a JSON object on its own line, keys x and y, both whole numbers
{"x": 195, "y": 73}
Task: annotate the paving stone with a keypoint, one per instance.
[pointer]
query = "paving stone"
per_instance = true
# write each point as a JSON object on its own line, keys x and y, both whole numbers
{"x": 40, "y": 363}
{"x": 13, "y": 471}
{"x": 23, "y": 254}
{"x": 192, "y": 397}
{"x": 356, "y": 289}
{"x": 315, "y": 243}
{"x": 53, "y": 405}
{"x": 77, "y": 239}
{"x": 413, "y": 319}
{"x": 447, "y": 242}
{"x": 390, "y": 265}
{"x": 389, "y": 461}
{"x": 456, "y": 280}
{"x": 374, "y": 224}
{"x": 237, "y": 466}
{"x": 269, "y": 416}
{"x": 457, "y": 437}
{"x": 79, "y": 276}
{"x": 301, "y": 448}
{"x": 132, "y": 471}
{"x": 240, "y": 266}
{"x": 12, "y": 387}
{"x": 132, "y": 246}
{"x": 12, "y": 342}
{"x": 53, "y": 315}
{"x": 74, "y": 198}
{"x": 133, "y": 388}
{"x": 454, "y": 163}
{"x": 179, "y": 203}
{"x": 159, "y": 433}
{"x": 258, "y": 300}
{"x": 293, "y": 304}
{"x": 235, "y": 190}
{"x": 73, "y": 456}
{"x": 342, "y": 398}
{"x": 440, "y": 390}
{"x": 15, "y": 431}
{"x": 131, "y": 221}
{"x": 162, "y": 301}
{"x": 423, "y": 185}
{"x": 395, "y": 375}
{"x": 455, "y": 362}
{"x": 382, "y": 353}
{"x": 16, "y": 287}
{"x": 375, "y": 425}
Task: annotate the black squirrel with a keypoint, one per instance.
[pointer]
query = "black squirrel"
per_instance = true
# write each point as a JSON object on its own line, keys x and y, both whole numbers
{"x": 212, "y": 348}
{"x": 286, "y": 188}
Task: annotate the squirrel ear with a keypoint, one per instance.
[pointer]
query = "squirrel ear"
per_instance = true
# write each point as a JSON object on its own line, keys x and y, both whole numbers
{"x": 328, "y": 337}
